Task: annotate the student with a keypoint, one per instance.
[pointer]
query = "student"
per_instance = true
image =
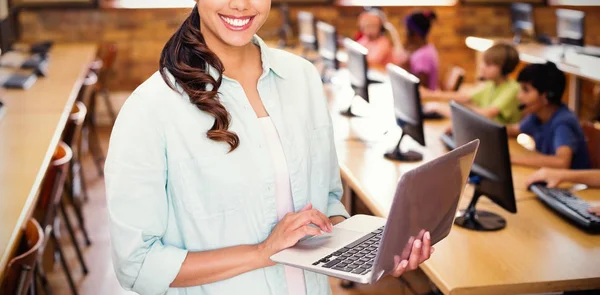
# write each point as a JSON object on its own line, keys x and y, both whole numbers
{"x": 423, "y": 61}
{"x": 373, "y": 25}
{"x": 496, "y": 98}
{"x": 558, "y": 136}
{"x": 209, "y": 172}
{"x": 554, "y": 177}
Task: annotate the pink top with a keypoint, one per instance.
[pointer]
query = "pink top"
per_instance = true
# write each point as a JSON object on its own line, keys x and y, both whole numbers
{"x": 425, "y": 60}
{"x": 294, "y": 277}
{"x": 381, "y": 51}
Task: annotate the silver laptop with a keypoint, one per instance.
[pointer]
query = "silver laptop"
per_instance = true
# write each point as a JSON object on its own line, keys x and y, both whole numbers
{"x": 362, "y": 248}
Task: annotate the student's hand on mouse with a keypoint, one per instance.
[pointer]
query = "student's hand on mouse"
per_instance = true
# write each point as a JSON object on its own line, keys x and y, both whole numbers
{"x": 552, "y": 177}
{"x": 421, "y": 251}
{"x": 595, "y": 210}
{"x": 293, "y": 227}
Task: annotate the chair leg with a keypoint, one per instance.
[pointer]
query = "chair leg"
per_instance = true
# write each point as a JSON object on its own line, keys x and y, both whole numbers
{"x": 64, "y": 264}
{"x": 43, "y": 279}
{"x": 32, "y": 287}
{"x": 79, "y": 215}
{"x": 109, "y": 106}
{"x": 84, "y": 191}
{"x": 76, "y": 200}
{"x": 96, "y": 149}
{"x": 73, "y": 237}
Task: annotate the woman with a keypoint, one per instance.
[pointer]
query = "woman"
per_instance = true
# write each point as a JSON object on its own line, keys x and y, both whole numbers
{"x": 221, "y": 160}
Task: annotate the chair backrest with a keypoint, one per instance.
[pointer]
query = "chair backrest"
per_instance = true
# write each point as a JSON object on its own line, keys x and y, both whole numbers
{"x": 592, "y": 135}
{"x": 75, "y": 123}
{"x": 108, "y": 57}
{"x": 53, "y": 183}
{"x": 454, "y": 78}
{"x": 19, "y": 274}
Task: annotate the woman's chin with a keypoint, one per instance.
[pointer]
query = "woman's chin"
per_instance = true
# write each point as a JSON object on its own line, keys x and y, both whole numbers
{"x": 237, "y": 39}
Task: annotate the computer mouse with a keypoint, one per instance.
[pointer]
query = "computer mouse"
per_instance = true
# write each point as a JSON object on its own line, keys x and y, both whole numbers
{"x": 538, "y": 183}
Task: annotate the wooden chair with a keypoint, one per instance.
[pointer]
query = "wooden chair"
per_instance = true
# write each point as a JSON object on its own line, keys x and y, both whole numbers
{"x": 90, "y": 139}
{"x": 75, "y": 186}
{"x": 592, "y": 135}
{"x": 108, "y": 55}
{"x": 454, "y": 79}
{"x": 20, "y": 273}
{"x": 51, "y": 203}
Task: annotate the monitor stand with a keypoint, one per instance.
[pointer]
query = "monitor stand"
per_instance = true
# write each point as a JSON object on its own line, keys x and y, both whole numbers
{"x": 517, "y": 37}
{"x": 479, "y": 220}
{"x": 398, "y": 155}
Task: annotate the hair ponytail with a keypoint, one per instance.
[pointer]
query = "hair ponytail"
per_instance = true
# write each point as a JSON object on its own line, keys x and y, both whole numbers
{"x": 186, "y": 56}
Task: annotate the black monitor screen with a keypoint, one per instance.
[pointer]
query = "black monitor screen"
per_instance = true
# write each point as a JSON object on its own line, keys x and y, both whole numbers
{"x": 327, "y": 39}
{"x": 569, "y": 26}
{"x": 306, "y": 27}
{"x": 522, "y": 19}
{"x": 492, "y": 163}
{"x": 407, "y": 102}
{"x": 357, "y": 63}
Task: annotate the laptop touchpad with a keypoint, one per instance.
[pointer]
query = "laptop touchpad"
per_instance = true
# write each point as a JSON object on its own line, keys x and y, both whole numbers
{"x": 338, "y": 239}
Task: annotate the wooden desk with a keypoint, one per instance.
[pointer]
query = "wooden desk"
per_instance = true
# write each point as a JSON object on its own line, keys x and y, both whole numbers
{"x": 29, "y": 132}
{"x": 537, "y": 251}
{"x": 577, "y": 66}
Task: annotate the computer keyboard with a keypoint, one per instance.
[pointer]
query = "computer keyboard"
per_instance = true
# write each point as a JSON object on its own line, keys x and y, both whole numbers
{"x": 568, "y": 205}
{"x": 589, "y": 50}
{"x": 357, "y": 257}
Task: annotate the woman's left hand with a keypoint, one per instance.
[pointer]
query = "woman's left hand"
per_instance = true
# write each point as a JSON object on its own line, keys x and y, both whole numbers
{"x": 421, "y": 251}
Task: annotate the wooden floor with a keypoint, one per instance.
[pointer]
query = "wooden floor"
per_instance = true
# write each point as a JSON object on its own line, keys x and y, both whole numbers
{"x": 101, "y": 278}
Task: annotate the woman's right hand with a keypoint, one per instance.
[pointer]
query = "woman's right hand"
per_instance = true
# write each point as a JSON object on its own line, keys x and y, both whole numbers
{"x": 552, "y": 177}
{"x": 293, "y": 227}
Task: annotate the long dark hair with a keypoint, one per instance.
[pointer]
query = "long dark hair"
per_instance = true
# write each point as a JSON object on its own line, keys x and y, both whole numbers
{"x": 186, "y": 56}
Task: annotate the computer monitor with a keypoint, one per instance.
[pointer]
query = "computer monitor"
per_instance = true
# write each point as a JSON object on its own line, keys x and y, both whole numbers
{"x": 8, "y": 32}
{"x": 522, "y": 20}
{"x": 407, "y": 110}
{"x": 491, "y": 173}
{"x": 328, "y": 46}
{"x": 306, "y": 31}
{"x": 358, "y": 69}
{"x": 570, "y": 26}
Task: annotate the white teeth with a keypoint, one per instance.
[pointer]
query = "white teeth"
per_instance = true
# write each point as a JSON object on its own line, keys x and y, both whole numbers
{"x": 236, "y": 22}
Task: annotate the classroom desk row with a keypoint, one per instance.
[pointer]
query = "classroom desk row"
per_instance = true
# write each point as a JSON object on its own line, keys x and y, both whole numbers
{"x": 537, "y": 252}
{"x": 576, "y": 66}
{"x": 29, "y": 133}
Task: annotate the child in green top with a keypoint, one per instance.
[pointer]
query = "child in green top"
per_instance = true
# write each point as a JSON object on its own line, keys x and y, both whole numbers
{"x": 496, "y": 98}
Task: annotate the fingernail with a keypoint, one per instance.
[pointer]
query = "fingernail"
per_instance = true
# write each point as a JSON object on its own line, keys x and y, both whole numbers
{"x": 404, "y": 263}
{"x": 331, "y": 226}
{"x": 427, "y": 236}
{"x": 418, "y": 244}
{"x": 321, "y": 232}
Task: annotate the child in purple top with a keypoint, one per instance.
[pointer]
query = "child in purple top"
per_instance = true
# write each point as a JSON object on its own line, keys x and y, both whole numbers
{"x": 423, "y": 61}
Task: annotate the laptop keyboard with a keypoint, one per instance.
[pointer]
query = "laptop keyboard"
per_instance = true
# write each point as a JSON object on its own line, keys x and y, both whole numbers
{"x": 357, "y": 257}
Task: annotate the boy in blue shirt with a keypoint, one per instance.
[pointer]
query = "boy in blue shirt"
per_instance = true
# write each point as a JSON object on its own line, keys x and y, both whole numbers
{"x": 558, "y": 136}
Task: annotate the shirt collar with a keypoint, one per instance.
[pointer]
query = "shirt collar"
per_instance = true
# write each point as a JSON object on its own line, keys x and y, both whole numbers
{"x": 269, "y": 62}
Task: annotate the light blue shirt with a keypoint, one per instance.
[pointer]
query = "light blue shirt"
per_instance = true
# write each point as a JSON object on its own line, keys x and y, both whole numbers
{"x": 172, "y": 190}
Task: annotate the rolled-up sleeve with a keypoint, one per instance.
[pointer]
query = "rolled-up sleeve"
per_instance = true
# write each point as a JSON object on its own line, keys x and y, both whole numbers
{"x": 136, "y": 174}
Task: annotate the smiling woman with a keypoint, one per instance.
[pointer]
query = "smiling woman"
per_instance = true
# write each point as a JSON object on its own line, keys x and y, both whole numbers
{"x": 222, "y": 159}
